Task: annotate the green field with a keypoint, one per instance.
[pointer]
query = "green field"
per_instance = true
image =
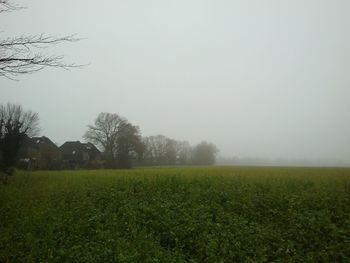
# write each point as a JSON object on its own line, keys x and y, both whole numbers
{"x": 217, "y": 214}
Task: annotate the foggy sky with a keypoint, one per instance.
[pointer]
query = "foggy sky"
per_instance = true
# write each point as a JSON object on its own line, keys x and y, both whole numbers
{"x": 257, "y": 78}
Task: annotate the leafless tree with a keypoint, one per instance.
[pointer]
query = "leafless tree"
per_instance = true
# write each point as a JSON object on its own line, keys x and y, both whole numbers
{"x": 161, "y": 150}
{"x": 8, "y": 6}
{"x": 15, "y": 125}
{"x": 24, "y": 54}
{"x": 104, "y": 132}
{"x": 13, "y": 115}
{"x": 119, "y": 139}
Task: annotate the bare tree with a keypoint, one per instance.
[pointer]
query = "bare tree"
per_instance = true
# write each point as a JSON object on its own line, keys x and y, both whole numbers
{"x": 24, "y": 54}
{"x": 119, "y": 139}
{"x": 184, "y": 152}
{"x": 15, "y": 125}
{"x": 161, "y": 150}
{"x": 155, "y": 150}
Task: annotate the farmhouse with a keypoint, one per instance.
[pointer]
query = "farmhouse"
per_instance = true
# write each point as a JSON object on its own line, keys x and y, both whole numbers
{"x": 39, "y": 153}
{"x": 76, "y": 154}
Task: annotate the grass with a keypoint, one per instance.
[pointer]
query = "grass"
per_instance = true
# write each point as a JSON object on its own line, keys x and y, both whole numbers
{"x": 189, "y": 214}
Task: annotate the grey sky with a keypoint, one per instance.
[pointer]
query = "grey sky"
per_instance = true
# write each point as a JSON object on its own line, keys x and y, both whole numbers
{"x": 257, "y": 78}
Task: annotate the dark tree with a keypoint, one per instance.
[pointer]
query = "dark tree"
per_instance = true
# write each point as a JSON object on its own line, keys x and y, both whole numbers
{"x": 129, "y": 145}
{"x": 204, "y": 154}
{"x": 15, "y": 125}
{"x": 24, "y": 54}
{"x": 119, "y": 139}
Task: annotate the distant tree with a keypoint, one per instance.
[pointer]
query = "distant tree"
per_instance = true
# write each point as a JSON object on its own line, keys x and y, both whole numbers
{"x": 170, "y": 151}
{"x": 148, "y": 153}
{"x": 119, "y": 139}
{"x": 15, "y": 125}
{"x": 155, "y": 150}
{"x": 129, "y": 145}
{"x": 204, "y": 154}
{"x": 20, "y": 55}
{"x": 161, "y": 150}
{"x": 183, "y": 152}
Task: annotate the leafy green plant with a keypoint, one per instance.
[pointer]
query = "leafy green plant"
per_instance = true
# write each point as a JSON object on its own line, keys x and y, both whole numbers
{"x": 216, "y": 214}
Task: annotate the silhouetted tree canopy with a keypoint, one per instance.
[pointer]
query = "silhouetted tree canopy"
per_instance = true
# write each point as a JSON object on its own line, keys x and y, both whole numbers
{"x": 204, "y": 153}
{"x": 119, "y": 139}
{"x": 24, "y": 54}
{"x": 15, "y": 125}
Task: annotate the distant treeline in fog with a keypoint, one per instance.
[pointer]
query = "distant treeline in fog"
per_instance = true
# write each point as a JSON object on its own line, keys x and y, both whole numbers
{"x": 251, "y": 161}
{"x": 111, "y": 142}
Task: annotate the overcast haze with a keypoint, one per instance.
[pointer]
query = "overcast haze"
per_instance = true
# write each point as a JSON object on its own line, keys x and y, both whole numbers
{"x": 257, "y": 78}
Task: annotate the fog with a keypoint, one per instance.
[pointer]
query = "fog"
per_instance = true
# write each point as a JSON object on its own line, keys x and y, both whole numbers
{"x": 260, "y": 79}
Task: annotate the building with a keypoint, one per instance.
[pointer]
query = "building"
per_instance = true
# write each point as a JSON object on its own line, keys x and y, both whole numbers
{"x": 76, "y": 154}
{"x": 39, "y": 153}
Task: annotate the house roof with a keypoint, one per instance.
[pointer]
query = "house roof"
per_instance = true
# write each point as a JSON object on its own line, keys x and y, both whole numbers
{"x": 91, "y": 148}
{"x": 35, "y": 142}
{"x": 72, "y": 147}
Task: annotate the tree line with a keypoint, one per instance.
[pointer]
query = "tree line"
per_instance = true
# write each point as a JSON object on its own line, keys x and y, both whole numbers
{"x": 120, "y": 142}
{"x": 122, "y": 145}
{"x": 161, "y": 150}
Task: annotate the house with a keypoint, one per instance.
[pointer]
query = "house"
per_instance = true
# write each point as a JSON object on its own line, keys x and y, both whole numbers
{"x": 39, "y": 153}
{"x": 76, "y": 154}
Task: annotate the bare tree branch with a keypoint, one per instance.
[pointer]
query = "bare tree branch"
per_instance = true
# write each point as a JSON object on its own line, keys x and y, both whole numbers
{"x": 24, "y": 54}
{"x": 8, "y": 6}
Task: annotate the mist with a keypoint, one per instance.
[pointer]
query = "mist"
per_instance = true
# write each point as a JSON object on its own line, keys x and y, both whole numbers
{"x": 259, "y": 79}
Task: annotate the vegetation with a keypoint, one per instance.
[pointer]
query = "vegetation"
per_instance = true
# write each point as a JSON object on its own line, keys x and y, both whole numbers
{"x": 15, "y": 125}
{"x": 23, "y": 54}
{"x": 119, "y": 139}
{"x": 123, "y": 146}
{"x": 161, "y": 150}
{"x": 197, "y": 214}
{"x": 204, "y": 153}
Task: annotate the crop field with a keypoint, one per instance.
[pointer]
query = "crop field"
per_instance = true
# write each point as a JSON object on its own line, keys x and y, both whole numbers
{"x": 187, "y": 214}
